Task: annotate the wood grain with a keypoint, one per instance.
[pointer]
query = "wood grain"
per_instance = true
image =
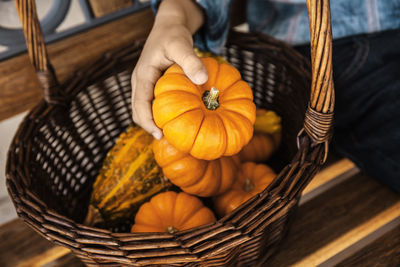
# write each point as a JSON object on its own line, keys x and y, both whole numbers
{"x": 327, "y": 178}
{"x": 18, "y": 243}
{"x": 68, "y": 260}
{"x": 331, "y": 215}
{"x": 19, "y": 89}
{"x": 104, "y": 7}
{"x": 351, "y": 237}
{"x": 329, "y": 173}
{"x": 53, "y": 254}
{"x": 385, "y": 251}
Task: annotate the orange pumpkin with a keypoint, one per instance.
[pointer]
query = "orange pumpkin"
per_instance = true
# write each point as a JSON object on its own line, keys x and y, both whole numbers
{"x": 266, "y": 138}
{"x": 208, "y": 121}
{"x": 252, "y": 179}
{"x": 171, "y": 212}
{"x": 195, "y": 176}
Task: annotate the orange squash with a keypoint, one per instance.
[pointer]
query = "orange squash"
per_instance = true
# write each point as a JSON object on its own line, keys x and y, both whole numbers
{"x": 252, "y": 179}
{"x": 195, "y": 176}
{"x": 266, "y": 138}
{"x": 171, "y": 212}
{"x": 208, "y": 121}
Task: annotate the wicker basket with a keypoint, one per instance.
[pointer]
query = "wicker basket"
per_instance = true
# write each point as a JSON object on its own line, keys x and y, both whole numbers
{"x": 59, "y": 148}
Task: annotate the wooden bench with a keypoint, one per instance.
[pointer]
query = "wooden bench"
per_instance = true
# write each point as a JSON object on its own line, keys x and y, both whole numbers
{"x": 345, "y": 218}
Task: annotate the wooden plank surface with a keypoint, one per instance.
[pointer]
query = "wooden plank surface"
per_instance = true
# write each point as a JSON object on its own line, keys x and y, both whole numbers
{"x": 364, "y": 242}
{"x": 327, "y": 174}
{"x": 353, "y": 236}
{"x": 385, "y": 251}
{"x": 328, "y": 217}
{"x": 54, "y": 254}
{"x": 68, "y": 260}
{"x": 19, "y": 243}
{"x": 104, "y": 7}
{"x": 19, "y": 89}
{"x": 331, "y": 175}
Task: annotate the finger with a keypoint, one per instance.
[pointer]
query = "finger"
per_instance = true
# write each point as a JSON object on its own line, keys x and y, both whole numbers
{"x": 183, "y": 54}
{"x": 145, "y": 117}
{"x": 143, "y": 81}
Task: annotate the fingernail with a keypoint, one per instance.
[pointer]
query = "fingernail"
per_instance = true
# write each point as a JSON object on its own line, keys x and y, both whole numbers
{"x": 200, "y": 77}
{"x": 157, "y": 135}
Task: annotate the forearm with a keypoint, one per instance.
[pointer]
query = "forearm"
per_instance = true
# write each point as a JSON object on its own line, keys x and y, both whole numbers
{"x": 183, "y": 12}
{"x": 170, "y": 41}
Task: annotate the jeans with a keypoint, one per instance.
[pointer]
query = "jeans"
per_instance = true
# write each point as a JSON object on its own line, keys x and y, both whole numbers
{"x": 366, "y": 70}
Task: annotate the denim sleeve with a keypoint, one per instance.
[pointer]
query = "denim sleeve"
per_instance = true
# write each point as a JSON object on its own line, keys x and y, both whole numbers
{"x": 212, "y": 35}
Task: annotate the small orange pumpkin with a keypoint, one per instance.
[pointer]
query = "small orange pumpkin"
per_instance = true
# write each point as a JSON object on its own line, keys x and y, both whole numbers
{"x": 208, "y": 121}
{"x": 171, "y": 212}
{"x": 195, "y": 176}
{"x": 266, "y": 138}
{"x": 252, "y": 179}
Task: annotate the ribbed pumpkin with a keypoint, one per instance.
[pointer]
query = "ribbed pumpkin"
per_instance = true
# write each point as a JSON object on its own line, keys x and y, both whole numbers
{"x": 266, "y": 138}
{"x": 252, "y": 179}
{"x": 200, "y": 53}
{"x": 129, "y": 176}
{"x": 195, "y": 176}
{"x": 208, "y": 121}
{"x": 171, "y": 212}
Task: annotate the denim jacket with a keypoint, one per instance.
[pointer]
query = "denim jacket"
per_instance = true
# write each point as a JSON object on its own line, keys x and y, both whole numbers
{"x": 287, "y": 20}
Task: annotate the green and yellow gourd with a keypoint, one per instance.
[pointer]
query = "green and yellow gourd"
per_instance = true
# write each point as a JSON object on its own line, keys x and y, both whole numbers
{"x": 129, "y": 176}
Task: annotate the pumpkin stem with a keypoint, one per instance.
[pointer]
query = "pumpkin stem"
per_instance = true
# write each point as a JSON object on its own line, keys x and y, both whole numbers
{"x": 210, "y": 98}
{"x": 248, "y": 185}
{"x": 171, "y": 230}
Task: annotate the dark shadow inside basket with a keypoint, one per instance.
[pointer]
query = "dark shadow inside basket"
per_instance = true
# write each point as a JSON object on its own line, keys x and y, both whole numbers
{"x": 71, "y": 142}
{"x": 280, "y": 80}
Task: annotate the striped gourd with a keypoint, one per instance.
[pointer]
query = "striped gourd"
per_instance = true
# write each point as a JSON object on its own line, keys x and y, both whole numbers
{"x": 129, "y": 177}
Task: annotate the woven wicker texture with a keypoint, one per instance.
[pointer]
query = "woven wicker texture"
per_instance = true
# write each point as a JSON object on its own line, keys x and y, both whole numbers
{"x": 59, "y": 148}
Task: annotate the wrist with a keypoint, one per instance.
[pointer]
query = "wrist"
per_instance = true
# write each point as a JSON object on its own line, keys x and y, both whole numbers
{"x": 180, "y": 12}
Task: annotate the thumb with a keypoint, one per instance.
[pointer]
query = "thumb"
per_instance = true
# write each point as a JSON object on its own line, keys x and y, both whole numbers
{"x": 191, "y": 64}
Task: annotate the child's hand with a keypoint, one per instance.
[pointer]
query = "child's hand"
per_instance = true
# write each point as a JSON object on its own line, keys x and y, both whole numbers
{"x": 170, "y": 41}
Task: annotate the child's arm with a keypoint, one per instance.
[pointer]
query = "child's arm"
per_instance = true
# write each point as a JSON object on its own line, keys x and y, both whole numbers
{"x": 170, "y": 41}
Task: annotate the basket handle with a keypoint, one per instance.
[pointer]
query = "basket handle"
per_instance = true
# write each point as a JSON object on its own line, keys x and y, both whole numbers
{"x": 319, "y": 115}
{"x": 38, "y": 56}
